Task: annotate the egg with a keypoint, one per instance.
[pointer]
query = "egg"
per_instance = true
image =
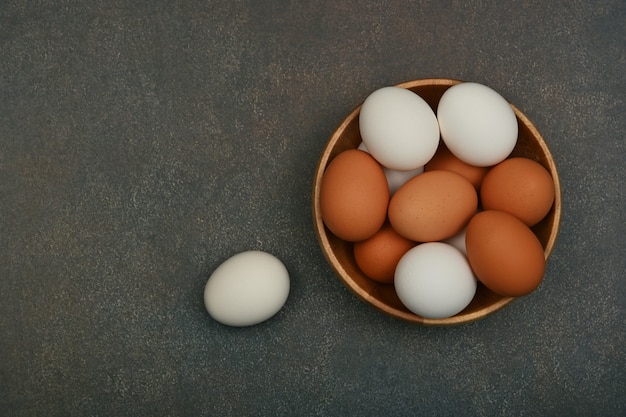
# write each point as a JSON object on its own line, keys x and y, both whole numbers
{"x": 477, "y": 124}
{"x": 504, "y": 253}
{"x": 521, "y": 187}
{"x": 354, "y": 196}
{"x": 458, "y": 241}
{"x": 398, "y": 128}
{"x": 434, "y": 280}
{"x": 395, "y": 178}
{"x": 247, "y": 289}
{"x": 446, "y": 160}
{"x": 378, "y": 256}
{"x": 433, "y": 206}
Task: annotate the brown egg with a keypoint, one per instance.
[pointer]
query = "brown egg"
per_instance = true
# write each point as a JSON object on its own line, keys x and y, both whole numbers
{"x": 444, "y": 159}
{"x": 504, "y": 253}
{"x": 519, "y": 186}
{"x": 432, "y": 206}
{"x": 378, "y": 256}
{"x": 354, "y": 196}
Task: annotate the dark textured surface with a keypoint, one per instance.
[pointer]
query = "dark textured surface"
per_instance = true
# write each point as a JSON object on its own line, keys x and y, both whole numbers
{"x": 144, "y": 142}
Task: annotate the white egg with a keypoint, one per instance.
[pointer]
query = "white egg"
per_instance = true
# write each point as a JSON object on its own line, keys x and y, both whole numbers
{"x": 477, "y": 124}
{"x": 434, "y": 280}
{"x": 398, "y": 128}
{"x": 395, "y": 178}
{"x": 458, "y": 241}
{"x": 247, "y": 289}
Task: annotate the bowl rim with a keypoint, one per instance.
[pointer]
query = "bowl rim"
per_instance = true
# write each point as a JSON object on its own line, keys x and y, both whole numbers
{"x": 322, "y": 233}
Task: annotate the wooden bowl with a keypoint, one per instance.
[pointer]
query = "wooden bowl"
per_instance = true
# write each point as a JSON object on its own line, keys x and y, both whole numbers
{"x": 340, "y": 254}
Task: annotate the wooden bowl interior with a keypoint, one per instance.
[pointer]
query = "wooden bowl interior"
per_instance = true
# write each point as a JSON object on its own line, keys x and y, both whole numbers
{"x": 340, "y": 254}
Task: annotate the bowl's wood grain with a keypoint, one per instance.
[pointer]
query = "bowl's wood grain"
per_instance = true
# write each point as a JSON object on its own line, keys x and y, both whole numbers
{"x": 340, "y": 254}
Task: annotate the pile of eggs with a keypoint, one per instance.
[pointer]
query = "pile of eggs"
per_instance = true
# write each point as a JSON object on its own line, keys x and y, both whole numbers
{"x": 433, "y": 202}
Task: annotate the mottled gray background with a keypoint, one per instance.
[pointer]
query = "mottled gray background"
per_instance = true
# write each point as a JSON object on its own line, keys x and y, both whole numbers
{"x": 144, "y": 142}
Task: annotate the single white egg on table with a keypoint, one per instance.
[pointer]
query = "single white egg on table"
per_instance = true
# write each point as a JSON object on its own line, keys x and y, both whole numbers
{"x": 477, "y": 124}
{"x": 395, "y": 178}
{"x": 398, "y": 128}
{"x": 435, "y": 280}
{"x": 247, "y": 289}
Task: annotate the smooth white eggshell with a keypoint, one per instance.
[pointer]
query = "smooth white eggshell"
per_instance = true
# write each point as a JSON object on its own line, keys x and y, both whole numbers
{"x": 395, "y": 178}
{"x": 458, "y": 241}
{"x": 435, "y": 280}
{"x": 247, "y": 289}
{"x": 477, "y": 124}
{"x": 398, "y": 128}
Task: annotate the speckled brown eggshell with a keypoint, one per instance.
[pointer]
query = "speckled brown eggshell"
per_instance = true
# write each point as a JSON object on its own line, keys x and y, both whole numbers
{"x": 354, "y": 196}
{"x": 432, "y": 206}
{"x": 504, "y": 253}
{"x": 379, "y": 255}
{"x": 521, "y": 187}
